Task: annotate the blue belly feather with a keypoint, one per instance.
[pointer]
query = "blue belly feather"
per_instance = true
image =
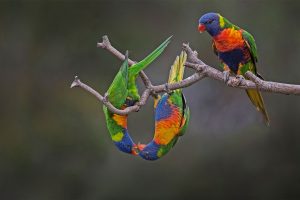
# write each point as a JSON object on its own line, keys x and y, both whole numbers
{"x": 232, "y": 58}
{"x": 163, "y": 109}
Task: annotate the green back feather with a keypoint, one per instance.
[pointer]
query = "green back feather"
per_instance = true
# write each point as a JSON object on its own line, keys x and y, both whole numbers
{"x": 117, "y": 91}
{"x": 250, "y": 42}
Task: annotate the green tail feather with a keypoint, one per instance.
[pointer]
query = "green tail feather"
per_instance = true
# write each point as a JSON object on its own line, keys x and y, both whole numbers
{"x": 135, "y": 69}
{"x": 258, "y": 102}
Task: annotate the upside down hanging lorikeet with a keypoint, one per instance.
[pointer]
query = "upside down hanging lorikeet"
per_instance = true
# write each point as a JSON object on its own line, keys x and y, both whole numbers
{"x": 123, "y": 92}
{"x": 171, "y": 116}
{"x": 236, "y": 49}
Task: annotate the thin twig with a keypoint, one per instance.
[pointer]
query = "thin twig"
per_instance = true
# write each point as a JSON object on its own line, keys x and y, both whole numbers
{"x": 105, "y": 44}
{"x": 134, "y": 108}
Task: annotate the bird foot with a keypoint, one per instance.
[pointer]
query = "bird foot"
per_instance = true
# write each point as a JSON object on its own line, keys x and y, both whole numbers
{"x": 236, "y": 81}
{"x": 140, "y": 146}
{"x": 239, "y": 79}
{"x": 226, "y": 76}
{"x": 105, "y": 98}
{"x": 167, "y": 89}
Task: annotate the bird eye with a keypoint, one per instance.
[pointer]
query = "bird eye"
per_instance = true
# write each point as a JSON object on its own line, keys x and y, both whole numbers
{"x": 210, "y": 21}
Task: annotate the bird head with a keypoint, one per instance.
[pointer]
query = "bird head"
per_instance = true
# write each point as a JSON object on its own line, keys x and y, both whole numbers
{"x": 149, "y": 151}
{"x": 211, "y": 22}
{"x": 126, "y": 144}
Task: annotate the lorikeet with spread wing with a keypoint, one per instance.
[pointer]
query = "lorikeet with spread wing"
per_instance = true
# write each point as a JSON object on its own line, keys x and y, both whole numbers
{"x": 236, "y": 49}
{"x": 171, "y": 116}
{"x": 122, "y": 93}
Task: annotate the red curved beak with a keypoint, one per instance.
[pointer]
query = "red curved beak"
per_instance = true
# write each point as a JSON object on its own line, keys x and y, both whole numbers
{"x": 141, "y": 146}
{"x": 201, "y": 28}
{"x": 134, "y": 150}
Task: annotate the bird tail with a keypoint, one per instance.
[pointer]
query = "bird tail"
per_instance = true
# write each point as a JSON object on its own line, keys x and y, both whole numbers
{"x": 136, "y": 68}
{"x": 176, "y": 75}
{"x": 258, "y": 102}
{"x": 177, "y": 69}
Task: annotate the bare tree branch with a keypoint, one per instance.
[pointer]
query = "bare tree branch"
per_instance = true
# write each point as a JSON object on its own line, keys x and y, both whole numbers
{"x": 201, "y": 71}
{"x": 274, "y": 87}
{"x": 145, "y": 96}
{"x": 254, "y": 82}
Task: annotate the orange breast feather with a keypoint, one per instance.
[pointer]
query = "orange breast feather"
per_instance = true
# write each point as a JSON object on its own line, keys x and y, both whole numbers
{"x": 229, "y": 39}
{"x": 167, "y": 129}
{"x": 121, "y": 120}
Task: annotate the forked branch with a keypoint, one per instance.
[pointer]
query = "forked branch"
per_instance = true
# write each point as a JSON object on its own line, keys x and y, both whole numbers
{"x": 201, "y": 71}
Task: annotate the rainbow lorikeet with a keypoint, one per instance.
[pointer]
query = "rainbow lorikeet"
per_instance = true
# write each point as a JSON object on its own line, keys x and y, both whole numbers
{"x": 122, "y": 93}
{"x": 236, "y": 49}
{"x": 171, "y": 116}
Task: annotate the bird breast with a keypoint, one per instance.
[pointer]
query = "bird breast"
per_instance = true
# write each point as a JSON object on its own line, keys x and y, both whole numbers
{"x": 229, "y": 39}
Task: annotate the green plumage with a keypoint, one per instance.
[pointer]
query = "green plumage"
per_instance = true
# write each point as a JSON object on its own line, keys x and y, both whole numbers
{"x": 124, "y": 84}
{"x": 135, "y": 69}
{"x": 124, "y": 88}
{"x": 117, "y": 92}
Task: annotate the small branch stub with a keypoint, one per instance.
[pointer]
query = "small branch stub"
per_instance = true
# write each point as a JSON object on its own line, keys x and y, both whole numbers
{"x": 75, "y": 83}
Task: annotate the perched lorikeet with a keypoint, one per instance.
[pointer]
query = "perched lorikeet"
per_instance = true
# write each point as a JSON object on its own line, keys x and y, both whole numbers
{"x": 236, "y": 49}
{"x": 171, "y": 116}
{"x": 122, "y": 93}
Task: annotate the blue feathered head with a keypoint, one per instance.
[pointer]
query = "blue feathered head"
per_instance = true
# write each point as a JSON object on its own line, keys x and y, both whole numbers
{"x": 211, "y": 22}
{"x": 149, "y": 152}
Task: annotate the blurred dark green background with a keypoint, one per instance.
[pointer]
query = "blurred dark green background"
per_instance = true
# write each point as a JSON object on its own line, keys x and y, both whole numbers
{"x": 54, "y": 143}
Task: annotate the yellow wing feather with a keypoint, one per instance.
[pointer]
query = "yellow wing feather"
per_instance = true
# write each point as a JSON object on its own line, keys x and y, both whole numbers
{"x": 177, "y": 69}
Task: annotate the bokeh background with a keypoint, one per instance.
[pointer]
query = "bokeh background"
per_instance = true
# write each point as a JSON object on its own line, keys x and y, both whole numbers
{"x": 53, "y": 140}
